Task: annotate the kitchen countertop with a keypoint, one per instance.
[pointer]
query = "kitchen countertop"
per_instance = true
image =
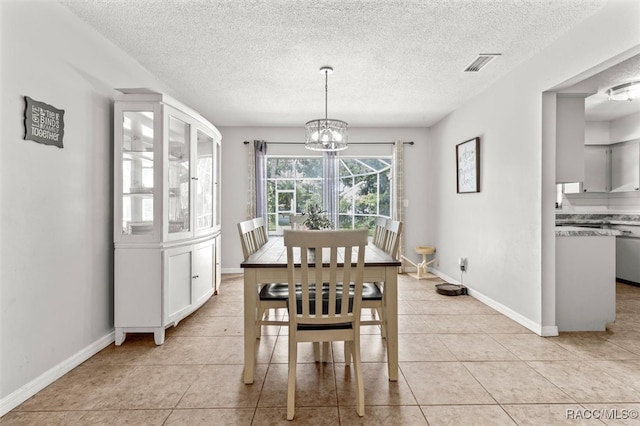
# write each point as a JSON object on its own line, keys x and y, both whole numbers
{"x": 632, "y": 219}
{"x": 577, "y": 231}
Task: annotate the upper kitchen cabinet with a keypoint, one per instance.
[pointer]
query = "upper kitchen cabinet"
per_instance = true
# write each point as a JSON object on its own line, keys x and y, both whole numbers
{"x": 596, "y": 168}
{"x": 570, "y": 131}
{"x": 625, "y": 166}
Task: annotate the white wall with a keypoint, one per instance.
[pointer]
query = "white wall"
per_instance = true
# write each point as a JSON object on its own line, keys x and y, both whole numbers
{"x": 607, "y": 132}
{"x": 498, "y": 229}
{"x": 505, "y": 231}
{"x": 56, "y": 287}
{"x": 625, "y": 128}
{"x": 597, "y": 133}
{"x": 418, "y": 225}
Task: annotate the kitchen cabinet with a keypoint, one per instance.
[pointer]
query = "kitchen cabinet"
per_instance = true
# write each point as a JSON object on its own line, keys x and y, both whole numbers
{"x": 585, "y": 281}
{"x": 625, "y": 166}
{"x": 596, "y": 168}
{"x": 204, "y": 271}
{"x": 628, "y": 259}
{"x": 167, "y": 212}
{"x": 570, "y": 131}
{"x": 189, "y": 278}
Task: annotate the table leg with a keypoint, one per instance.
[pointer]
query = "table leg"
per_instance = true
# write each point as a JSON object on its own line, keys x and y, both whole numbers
{"x": 250, "y": 294}
{"x": 391, "y": 318}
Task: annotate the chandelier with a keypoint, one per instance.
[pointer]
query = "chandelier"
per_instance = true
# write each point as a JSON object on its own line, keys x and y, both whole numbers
{"x": 625, "y": 92}
{"x": 326, "y": 134}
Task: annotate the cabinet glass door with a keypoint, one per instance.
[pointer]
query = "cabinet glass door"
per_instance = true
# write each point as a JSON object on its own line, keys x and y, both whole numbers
{"x": 179, "y": 176}
{"x": 204, "y": 182}
{"x": 216, "y": 184}
{"x": 137, "y": 172}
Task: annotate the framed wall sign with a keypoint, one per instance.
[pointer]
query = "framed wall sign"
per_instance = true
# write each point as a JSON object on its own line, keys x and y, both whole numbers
{"x": 468, "y": 166}
{"x": 43, "y": 123}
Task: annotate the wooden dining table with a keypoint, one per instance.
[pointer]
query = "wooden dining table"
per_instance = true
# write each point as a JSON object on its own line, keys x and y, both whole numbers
{"x": 269, "y": 264}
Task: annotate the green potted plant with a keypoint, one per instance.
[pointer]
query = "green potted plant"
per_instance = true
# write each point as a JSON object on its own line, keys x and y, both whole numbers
{"x": 316, "y": 218}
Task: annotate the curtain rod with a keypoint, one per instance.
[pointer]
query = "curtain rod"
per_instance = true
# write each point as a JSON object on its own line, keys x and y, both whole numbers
{"x": 350, "y": 143}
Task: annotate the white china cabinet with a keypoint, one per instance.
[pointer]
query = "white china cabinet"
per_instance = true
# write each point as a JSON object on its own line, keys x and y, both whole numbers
{"x": 167, "y": 212}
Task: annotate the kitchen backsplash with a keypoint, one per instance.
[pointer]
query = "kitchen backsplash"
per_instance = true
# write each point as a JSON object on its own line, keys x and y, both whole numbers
{"x": 620, "y": 201}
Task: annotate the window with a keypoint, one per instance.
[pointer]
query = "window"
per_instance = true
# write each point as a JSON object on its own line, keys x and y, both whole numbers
{"x": 291, "y": 184}
{"x": 363, "y": 192}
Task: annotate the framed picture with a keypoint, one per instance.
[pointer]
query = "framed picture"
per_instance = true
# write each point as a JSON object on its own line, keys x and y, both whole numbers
{"x": 468, "y": 166}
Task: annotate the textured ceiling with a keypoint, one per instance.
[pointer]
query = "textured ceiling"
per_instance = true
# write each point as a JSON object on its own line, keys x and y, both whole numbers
{"x": 598, "y": 107}
{"x": 396, "y": 62}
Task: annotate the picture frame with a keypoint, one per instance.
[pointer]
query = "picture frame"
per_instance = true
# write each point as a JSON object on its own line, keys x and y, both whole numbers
{"x": 468, "y": 166}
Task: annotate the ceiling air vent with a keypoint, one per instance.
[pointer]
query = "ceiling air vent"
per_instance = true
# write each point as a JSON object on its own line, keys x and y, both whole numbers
{"x": 482, "y": 60}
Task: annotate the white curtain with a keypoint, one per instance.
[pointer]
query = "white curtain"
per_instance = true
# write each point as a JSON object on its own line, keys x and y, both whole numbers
{"x": 398, "y": 188}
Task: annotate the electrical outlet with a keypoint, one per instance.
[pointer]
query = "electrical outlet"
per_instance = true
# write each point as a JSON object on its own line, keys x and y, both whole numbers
{"x": 462, "y": 262}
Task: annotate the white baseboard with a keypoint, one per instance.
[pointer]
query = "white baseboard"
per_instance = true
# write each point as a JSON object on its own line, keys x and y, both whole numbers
{"x": 545, "y": 331}
{"x": 231, "y": 271}
{"x": 25, "y": 392}
{"x": 444, "y": 276}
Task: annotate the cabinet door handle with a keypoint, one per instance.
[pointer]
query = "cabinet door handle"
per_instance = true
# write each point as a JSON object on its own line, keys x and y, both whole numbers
{"x": 196, "y": 276}
{"x": 194, "y": 178}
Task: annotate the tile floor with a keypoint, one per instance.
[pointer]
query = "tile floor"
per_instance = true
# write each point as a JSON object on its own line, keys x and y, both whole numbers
{"x": 461, "y": 363}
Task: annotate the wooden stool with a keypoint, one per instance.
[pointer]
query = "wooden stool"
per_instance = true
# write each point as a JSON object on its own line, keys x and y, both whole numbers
{"x": 421, "y": 268}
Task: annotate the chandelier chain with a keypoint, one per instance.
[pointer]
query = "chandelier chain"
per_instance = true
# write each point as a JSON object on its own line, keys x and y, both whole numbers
{"x": 326, "y": 93}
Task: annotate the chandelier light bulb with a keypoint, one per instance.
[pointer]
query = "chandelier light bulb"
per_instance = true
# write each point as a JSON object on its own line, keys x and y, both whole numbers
{"x": 326, "y": 135}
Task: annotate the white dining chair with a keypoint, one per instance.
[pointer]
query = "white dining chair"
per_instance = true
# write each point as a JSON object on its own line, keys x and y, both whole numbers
{"x": 378, "y": 231}
{"x": 261, "y": 232}
{"x": 271, "y": 296}
{"x": 389, "y": 242}
{"x": 320, "y": 311}
{"x": 392, "y": 230}
{"x": 246, "y": 230}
